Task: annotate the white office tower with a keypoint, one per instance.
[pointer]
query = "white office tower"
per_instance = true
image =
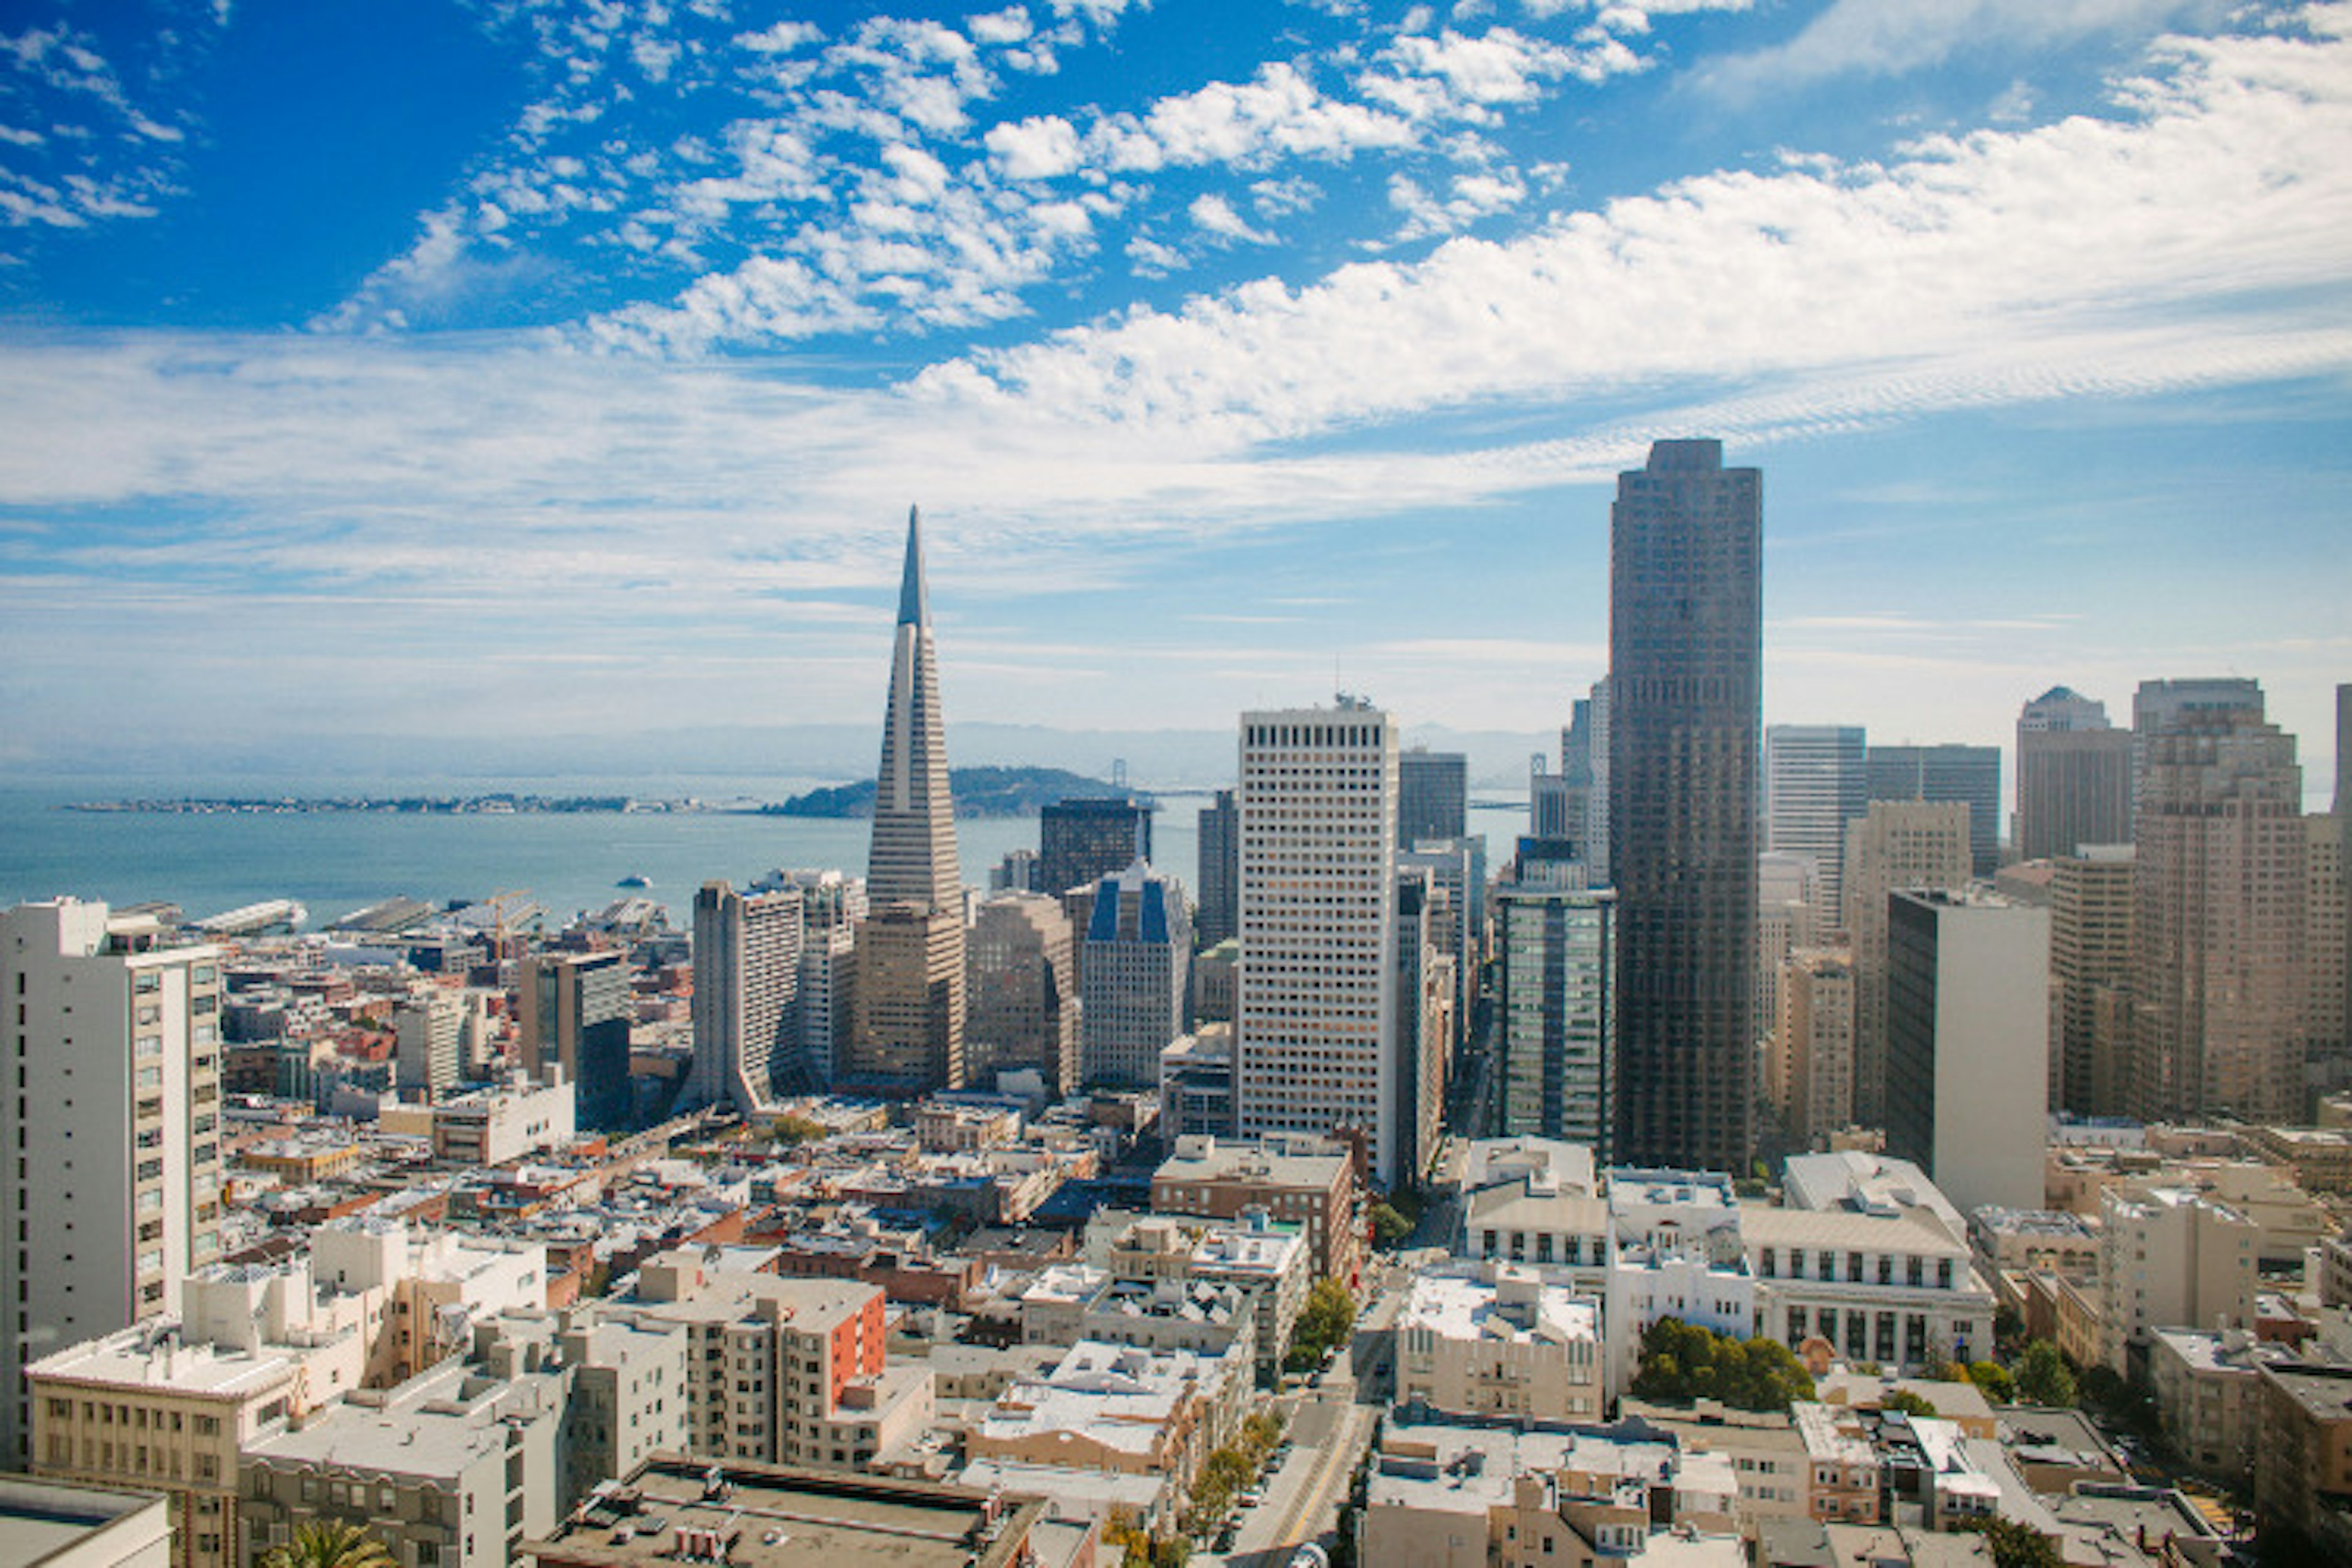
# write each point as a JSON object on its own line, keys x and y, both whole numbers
{"x": 1968, "y": 1031}
{"x": 1814, "y": 783}
{"x": 1317, "y": 1003}
{"x": 832, "y": 905}
{"x": 112, "y": 1191}
{"x": 1133, "y": 977}
{"x": 746, "y": 983}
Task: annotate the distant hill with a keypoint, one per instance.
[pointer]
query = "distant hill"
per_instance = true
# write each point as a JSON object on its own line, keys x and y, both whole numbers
{"x": 979, "y": 792}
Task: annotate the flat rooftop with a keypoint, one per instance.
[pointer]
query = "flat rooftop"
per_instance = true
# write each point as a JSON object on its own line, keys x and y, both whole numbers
{"x": 773, "y": 1517}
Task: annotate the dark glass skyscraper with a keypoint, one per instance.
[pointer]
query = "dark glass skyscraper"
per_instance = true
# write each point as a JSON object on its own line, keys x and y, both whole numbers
{"x": 1084, "y": 840}
{"x": 1968, "y": 775}
{"x": 1686, "y": 673}
{"x": 1433, "y": 796}
{"x": 1220, "y": 918}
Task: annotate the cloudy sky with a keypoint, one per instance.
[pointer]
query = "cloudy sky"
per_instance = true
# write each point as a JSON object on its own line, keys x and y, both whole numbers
{"x": 523, "y": 367}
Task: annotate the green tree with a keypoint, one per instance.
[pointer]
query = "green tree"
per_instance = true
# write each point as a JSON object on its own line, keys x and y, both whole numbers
{"x": 2015, "y": 1545}
{"x": 1388, "y": 1226}
{"x": 1908, "y": 1403}
{"x": 2043, "y": 1377}
{"x": 1324, "y": 1322}
{"x": 1684, "y": 1361}
{"x": 792, "y": 1131}
{"x": 1992, "y": 1379}
{"x": 329, "y": 1543}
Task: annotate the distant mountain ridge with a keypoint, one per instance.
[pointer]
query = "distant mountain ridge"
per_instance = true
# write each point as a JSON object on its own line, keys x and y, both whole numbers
{"x": 978, "y": 792}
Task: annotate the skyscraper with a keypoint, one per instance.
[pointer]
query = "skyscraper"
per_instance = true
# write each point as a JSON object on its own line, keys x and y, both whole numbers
{"x": 1556, "y": 1015}
{"x": 1022, "y": 992}
{"x": 1814, "y": 783}
{"x": 1968, "y": 1044}
{"x": 1134, "y": 976}
{"x": 2089, "y": 955}
{"x": 1968, "y": 775}
{"x": 1816, "y": 1044}
{"x": 906, "y": 1014}
{"x": 1898, "y": 844}
{"x": 1220, "y": 869}
{"x": 1087, "y": 838}
{"x": 112, "y": 1194}
{"x": 576, "y": 1015}
{"x": 2217, "y": 902}
{"x": 1433, "y": 795}
{"x": 1584, "y": 765}
{"x": 747, "y": 986}
{"x": 2073, "y": 776}
{"x": 1317, "y": 1003}
{"x": 1685, "y": 679}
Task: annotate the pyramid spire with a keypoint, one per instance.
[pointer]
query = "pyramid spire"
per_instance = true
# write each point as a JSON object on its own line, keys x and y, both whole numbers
{"x": 914, "y": 604}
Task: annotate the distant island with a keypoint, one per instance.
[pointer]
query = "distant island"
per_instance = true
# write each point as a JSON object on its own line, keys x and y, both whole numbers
{"x": 979, "y": 792}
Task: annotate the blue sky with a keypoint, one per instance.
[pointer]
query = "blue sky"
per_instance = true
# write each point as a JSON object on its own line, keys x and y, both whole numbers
{"x": 512, "y": 367}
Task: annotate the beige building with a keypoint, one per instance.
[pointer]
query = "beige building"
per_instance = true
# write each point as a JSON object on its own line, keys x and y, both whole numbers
{"x": 1021, "y": 983}
{"x": 2090, "y": 952}
{"x": 1119, "y": 1408}
{"x": 1307, "y": 1183}
{"x": 2171, "y": 1259}
{"x": 2207, "y": 1389}
{"x": 1763, "y": 1449}
{"x": 504, "y": 1123}
{"x": 1900, "y": 844}
{"x": 1894, "y": 1286}
{"x": 2305, "y": 1444}
{"x": 2326, "y": 950}
{"x": 55, "y": 1524}
{"x": 440, "y": 1284}
{"x": 112, "y": 1192}
{"x": 1496, "y": 1340}
{"x": 450, "y": 1469}
{"x": 1816, "y": 1042}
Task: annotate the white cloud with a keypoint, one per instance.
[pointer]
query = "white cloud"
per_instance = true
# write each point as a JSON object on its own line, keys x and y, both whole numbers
{"x": 1044, "y": 147}
{"x": 1889, "y": 38}
{"x": 1216, "y": 214}
{"x": 1009, "y": 26}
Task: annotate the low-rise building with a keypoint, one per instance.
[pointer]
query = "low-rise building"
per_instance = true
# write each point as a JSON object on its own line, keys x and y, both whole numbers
{"x": 1886, "y": 1284}
{"x": 1308, "y": 1182}
{"x": 451, "y": 1468}
{"x": 1842, "y": 1464}
{"x": 2171, "y": 1259}
{"x": 2205, "y": 1386}
{"x": 57, "y": 1524}
{"x": 504, "y": 1123}
{"x": 1496, "y": 1340}
{"x": 2304, "y": 1473}
{"x": 1119, "y": 1408}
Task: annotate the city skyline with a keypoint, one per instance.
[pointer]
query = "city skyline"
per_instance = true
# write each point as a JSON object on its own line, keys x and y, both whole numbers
{"x": 1219, "y": 357}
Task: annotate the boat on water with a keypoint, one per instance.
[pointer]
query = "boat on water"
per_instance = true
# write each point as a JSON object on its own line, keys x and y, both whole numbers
{"x": 634, "y": 879}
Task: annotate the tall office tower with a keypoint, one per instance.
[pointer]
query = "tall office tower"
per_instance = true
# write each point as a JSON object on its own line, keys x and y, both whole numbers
{"x": 1898, "y": 843}
{"x": 747, "y": 986}
{"x": 1557, "y": 1018}
{"x": 832, "y": 906}
{"x": 1790, "y": 914}
{"x": 1134, "y": 977}
{"x": 2217, "y": 898}
{"x": 1433, "y": 795}
{"x": 905, "y": 1032}
{"x": 1555, "y": 810}
{"x": 426, "y": 1029}
{"x": 1458, "y": 866}
{"x": 1316, "y": 1012}
{"x": 574, "y": 1013}
{"x": 1085, "y": 839}
{"x": 1016, "y": 873}
{"x": 1584, "y": 764}
{"x": 1814, "y": 785}
{"x": 1968, "y": 775}
{"x": 1815, "y": 1043}
{"x": 1221, "y": 872}
{"x": 1967, "y": 1060}
{"x": 2073, "y": 776}
{"x": 2343, "y": 814}
{"x": 1418, "y": 1015}
{"x": 2327, "y": 1051}
{"x": 112, "y": 1192}
{"x": 2089, "y": 955}
{"x": 1022, "y": 990}
{"x": 1686, "y": 675}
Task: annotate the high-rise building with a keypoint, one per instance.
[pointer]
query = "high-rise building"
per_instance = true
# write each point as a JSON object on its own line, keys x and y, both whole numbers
{"x": 1814, "y": 783}
{"x": 112, "y": 1192}
{"x": 1134, "y": 977}
{"x": 1685, "y": 680}
{"x": 1556, "y": 1016}
{"x": 1085, "y": 840}
{"x": 2327, "y": 1051}
{"x": 2090, "y": 955}
{"x": 2073, "y": 776}
{"x": 1433, "y": 795}
{"x": 1316, "y": 1009}
{"x": 1898, "y": 844}
{"x": 1968, "y": 1054}
{"x": 1815, "y": 1043}
{"x": 1584, "y": 765}
{"x": 2218, "y": 904}
{"x": 1424, "y": 1011}
{"x": 2343, "y": 814}
{"x": 426, "y": 1028}
{"x": 907, "y": 1007}
{"x": 1021, "y": 986}
{"x": 1968, "y": 775}
{"x": 748, "y": 950}
{"x": 1457, "y": 908}
{"x": 1221, "y": 872}
{"x": 574, "y": 1013}
{"x": 831, "y": 906}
